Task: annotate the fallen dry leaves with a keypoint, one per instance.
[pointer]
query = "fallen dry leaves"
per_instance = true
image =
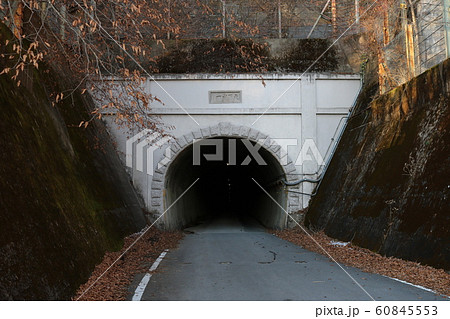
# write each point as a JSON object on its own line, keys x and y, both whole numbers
{"x": 366, "y": 260}
{"x": 115, "y": 282}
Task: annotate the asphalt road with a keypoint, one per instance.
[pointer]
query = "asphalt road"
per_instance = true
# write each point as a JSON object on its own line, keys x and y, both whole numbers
{"x": 229, "y": 260}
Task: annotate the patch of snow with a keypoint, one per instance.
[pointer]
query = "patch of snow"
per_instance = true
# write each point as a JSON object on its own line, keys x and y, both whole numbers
{"x": 142, "y": 231}
{"x": 339, "y": 243}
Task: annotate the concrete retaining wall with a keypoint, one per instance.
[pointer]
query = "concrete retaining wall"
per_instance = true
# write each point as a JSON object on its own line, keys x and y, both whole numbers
{"x": 387, "y": 187}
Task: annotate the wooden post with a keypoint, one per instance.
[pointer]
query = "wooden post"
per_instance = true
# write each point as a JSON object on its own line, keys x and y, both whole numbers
{"x": 334, "y": 16}
{"x": 409, "y": 42}
{"x": 403, "y": 9}
{"x": 357, "y": 11}
{"x": 415, "y": 37}
{"x": 386, "y": 33}
{"x": 18, "y": 21}
{"x": 381, "y": 72}
{"x": 410, "y": 54}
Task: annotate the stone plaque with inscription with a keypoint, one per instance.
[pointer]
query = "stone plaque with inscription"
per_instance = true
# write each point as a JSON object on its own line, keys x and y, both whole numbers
{"x": 225, "y": 97}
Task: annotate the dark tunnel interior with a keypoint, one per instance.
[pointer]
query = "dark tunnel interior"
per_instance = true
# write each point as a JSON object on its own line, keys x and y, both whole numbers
{"x": 226, "y": 184}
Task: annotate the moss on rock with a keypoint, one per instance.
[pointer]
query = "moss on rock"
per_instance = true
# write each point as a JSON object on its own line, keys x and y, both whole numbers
{"x": 62, "y": 202}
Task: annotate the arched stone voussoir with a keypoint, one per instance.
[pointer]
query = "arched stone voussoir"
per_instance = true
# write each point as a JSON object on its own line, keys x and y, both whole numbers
{"x": 234, "y": 130}
{"x": 189, "y": 138}
{"x": 225, "y": 129}
{"x": 244, "y": 131}
{"x": 214, "y": 130}
{"x": 181, "y": 141}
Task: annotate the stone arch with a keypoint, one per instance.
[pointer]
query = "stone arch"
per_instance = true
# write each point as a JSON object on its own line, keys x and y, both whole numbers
{"x": 225, "y": 130}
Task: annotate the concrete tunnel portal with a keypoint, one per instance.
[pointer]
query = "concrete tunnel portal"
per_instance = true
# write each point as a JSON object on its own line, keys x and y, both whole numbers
{"x": 311, "y": 110}
{"x": 226, "y": 185}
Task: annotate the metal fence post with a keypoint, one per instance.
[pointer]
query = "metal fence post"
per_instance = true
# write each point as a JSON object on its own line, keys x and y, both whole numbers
{"x": 168, "y": 13}
{"x": 357, "y": 12}
{"x": 279, "y": 19}
{"x": 224, "y": 19}
{"x": 62, "y": 30}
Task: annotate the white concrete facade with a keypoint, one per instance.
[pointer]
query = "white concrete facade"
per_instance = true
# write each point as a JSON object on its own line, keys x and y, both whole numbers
{"x": 297, "y": 111}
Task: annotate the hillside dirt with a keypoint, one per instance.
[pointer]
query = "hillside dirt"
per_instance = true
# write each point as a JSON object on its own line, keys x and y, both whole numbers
{"x": 113, "y": 285}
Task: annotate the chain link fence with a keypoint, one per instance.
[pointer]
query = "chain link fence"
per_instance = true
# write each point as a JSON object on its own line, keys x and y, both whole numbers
{"x": 414, "y": 39}
{"x": 430, "y": 33}
{"x": 414, "y": 30}
{"x": 272, "y": 19}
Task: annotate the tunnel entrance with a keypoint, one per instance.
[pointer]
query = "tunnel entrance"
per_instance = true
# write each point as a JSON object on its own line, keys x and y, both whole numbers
{"x": 226, "y": 169}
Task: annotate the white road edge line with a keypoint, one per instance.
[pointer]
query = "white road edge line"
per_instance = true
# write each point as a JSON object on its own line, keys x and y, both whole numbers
{"x": 141, "y": 288}
{"x": 144, "y": 282}
{"x": 417, "y": 286}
